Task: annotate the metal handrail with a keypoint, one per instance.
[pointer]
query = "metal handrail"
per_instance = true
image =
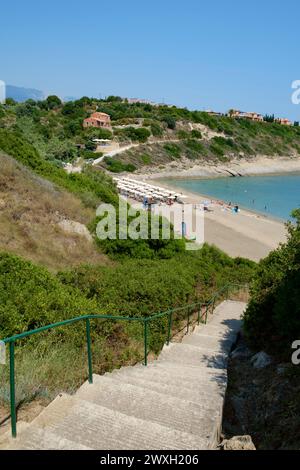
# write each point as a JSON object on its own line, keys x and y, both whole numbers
{"x": 145, "y": 320}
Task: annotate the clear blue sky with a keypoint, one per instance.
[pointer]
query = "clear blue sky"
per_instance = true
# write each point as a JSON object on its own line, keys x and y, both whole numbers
{"x": 201, "y": 54}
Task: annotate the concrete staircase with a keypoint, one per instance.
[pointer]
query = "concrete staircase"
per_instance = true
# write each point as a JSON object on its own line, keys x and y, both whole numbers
{"x": 176, "y": 402}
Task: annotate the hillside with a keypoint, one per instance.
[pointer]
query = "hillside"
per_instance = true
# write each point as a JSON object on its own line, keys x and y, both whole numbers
{"x": 41, "y": 222}
{"x": 160, "y": 134}
{"x": 145, "y": 276}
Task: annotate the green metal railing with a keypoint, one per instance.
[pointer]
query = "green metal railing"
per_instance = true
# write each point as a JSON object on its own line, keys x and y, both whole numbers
{"x": 191, "y": 310}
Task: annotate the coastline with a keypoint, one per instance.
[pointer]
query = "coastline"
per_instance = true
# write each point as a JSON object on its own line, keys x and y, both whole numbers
{"x": 247, "y": 234}
{"x": 260, "y": 165}
{"x": 195, "y": 196}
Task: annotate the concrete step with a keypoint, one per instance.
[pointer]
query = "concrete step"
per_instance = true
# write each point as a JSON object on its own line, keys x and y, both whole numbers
{"x": 101, "y": 428}
{"x": 171, "y": 373}
{"x": 217, "y": 344}
{"x": 180, "y": 414}
{"x": 187, "y": 354}
{"x": 219, "y": 331}
{"x": 199, "y": 393}
{"x": 233, "y": 324}
{"x": 43, "y": 439}
{"x": 174, "y": 403}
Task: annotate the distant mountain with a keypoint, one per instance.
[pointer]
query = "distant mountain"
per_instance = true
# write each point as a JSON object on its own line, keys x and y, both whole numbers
{"x": 22, "y": 94}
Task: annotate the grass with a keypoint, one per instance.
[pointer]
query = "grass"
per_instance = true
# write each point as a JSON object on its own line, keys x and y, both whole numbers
{"x": 48, "y": 368}
{"x": 31, "y": 208}
{"x": 173, "y": 150}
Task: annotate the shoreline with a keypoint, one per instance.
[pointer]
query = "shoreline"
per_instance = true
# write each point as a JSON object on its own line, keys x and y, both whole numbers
{"x": 195, "y": 196}
{"x": 248, "y": 234}
{"x": 256, "y": 166}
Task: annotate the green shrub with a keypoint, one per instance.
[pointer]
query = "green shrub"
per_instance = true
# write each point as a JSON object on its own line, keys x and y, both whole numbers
{"x": 156, "y": 130}
{"x": 146, "y": 159}
{"x": 173, "y": 150}
{"x": 194, "y": 145}
{"x": 116, "y": 166}
{"x": 89, "y": 183}
{"x": 181, "y": 134}
{"x": 93, "y": 133}
{"x": 196, "y": 134}
{"x": 170, "y": 121}
{"x": 89, "y": 155}
{"x": 31, "y": 297}
{"x": 216, "y": 150}
{"x": 272, "y": 318}
{"x": 139, "y": 134}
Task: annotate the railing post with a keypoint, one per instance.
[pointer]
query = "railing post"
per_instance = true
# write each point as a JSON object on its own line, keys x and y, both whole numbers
{"x": 169, "y": 327}
{"x": 13, "y": 413}
{"x": 199, "y": 312}
{"x": 206, "y": 313}
{"x": 227, "y": 292}
{"x": 89, "y": 349}
{"x": 145, "y": 342}
{"x": 188, "y": 321}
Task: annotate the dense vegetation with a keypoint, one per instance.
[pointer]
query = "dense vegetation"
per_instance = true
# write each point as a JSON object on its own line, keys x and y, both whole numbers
{"x": 272, "y": 319}
{"x": 90, "y": 185}
{"x": 31, "y": 297}
{"x": 93, "y": 187}
{"x": 55, "y": 130}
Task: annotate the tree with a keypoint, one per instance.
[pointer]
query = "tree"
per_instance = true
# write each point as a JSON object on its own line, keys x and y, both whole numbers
{"x": 170, "y": 121}
{"x": 114, "y": 99}
{"x": 53, "y": 102}
{"x": 269, "y": 118}
{"x": 10, "y": 101}
{"x": 90, "y": 145}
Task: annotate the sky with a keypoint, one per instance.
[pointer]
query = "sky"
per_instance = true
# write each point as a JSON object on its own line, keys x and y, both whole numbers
{"x": 218, "y": 54}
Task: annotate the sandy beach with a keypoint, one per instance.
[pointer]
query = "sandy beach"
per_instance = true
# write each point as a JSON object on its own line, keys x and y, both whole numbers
{"x": 246, "y": 234}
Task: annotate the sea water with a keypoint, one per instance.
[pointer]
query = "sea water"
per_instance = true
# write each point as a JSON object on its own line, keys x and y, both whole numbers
{"x": 272, "y": 195}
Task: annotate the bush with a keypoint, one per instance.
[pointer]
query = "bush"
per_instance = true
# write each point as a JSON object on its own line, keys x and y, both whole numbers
{"x": 89, "y": 154}
{"x": 139, "y": 134}
{"x": 116, "y": 166}
{"x": 146, "y": 159}
{"x": 90, "y": 185}
{"x": 94, "y": 133}
{"x": 223, "y": 142}
{"x": 194, "y": 145}
{"x": 170, "y": 121}
{"x": 156, "y": 130}
{"x": 31, "y": 297}
{"x": 182, "y": 134}
{"x": 272, "y": 318}
{"x": 173, "y": 150}
{"x": 142, "y": 247}
{"x": 196, "y": 134}
{"x": 216, "y": 150}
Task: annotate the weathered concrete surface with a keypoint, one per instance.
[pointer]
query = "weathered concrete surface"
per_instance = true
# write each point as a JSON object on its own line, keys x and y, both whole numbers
{"x": 174, "y": 403}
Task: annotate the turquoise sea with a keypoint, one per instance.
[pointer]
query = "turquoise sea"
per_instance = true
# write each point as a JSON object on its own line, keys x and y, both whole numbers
{"x": 275, "y": 196}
